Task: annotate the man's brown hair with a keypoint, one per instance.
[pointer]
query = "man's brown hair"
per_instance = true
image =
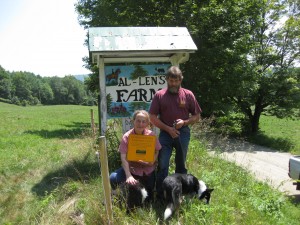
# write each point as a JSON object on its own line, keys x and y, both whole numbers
{"x": 174, "y": 72}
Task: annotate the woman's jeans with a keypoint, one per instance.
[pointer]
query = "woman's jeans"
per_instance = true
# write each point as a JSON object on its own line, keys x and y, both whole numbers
{"x": 181, "y": 147}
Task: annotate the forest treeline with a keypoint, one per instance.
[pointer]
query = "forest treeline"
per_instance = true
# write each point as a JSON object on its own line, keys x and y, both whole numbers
{"x": 26, "y": 88}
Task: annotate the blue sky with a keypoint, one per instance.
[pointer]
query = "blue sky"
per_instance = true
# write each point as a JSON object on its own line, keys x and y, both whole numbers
{"x": 42, "y": 37}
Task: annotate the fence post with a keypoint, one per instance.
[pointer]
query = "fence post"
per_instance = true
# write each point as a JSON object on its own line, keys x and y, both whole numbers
{"x": 93, "y": 123}
{"x": 105, "y": 178}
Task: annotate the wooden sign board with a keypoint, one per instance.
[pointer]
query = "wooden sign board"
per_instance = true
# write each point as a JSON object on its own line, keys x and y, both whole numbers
{"x": 127, "y": 125}
{"x": 141, "y": 147}
{"x": 132, "y": 87}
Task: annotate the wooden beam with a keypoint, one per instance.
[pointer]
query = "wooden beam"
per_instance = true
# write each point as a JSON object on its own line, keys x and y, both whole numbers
{"x": 105, "y": 178}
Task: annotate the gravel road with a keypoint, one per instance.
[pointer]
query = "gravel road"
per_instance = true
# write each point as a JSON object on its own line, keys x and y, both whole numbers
{"x": 264, "y": 163}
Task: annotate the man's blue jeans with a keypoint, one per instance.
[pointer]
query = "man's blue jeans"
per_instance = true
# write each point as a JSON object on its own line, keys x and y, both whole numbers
{"x": 181, "y": 147}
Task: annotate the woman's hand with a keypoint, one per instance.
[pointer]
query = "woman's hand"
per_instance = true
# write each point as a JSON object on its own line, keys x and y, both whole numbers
{"x": 131, "y": 180}
{"x": 144, "y": 163}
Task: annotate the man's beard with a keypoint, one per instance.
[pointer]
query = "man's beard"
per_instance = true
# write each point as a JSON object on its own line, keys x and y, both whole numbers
{"x": 173, "y": 90}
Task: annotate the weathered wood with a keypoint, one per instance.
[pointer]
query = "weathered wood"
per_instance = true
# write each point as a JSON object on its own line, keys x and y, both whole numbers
{"x": 105, "y": 177}
{"x": 93, "y": 123}
{"x": 103, "y": 104}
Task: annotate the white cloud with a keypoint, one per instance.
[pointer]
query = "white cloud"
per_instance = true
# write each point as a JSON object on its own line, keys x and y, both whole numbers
{"x": 44, "y": 38}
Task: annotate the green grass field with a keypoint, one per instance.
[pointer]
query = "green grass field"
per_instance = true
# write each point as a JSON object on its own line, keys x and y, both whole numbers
{"x": 49, "y": 175}
{"x": 280, "y": 134}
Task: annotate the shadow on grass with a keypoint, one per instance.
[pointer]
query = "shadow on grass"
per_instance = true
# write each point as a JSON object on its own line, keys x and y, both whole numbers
{"x": 77, "y": 170}
{"x": 259, "y": 142}
{"x": 295, "y": 199}
{"x": 72, "y": 131}
{"x": 280, "y": 144}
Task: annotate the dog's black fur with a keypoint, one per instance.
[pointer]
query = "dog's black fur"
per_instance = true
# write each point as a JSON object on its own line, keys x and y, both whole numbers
{"x": 176, "y": 185}
{"x": 133, "y": 195}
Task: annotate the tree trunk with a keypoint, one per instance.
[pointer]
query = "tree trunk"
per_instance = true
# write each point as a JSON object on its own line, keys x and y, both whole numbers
{"x": 255, "y": 118}
{"x": 254, "y": 124}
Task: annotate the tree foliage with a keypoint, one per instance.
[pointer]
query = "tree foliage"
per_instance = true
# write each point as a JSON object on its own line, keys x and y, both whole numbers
{"x": 273, "y": 84}
{"x": 25, "y": 88}
{"x": 245, "y": 60}
{"x": 5, "y": 84}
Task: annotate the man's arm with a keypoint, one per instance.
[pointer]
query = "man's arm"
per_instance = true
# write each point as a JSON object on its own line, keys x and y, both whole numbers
{"x": 193, "y": 119}
{"x": 157, "y": 122}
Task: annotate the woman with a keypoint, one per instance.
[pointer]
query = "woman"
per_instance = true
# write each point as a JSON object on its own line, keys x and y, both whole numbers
{"x": 140, "y": 171}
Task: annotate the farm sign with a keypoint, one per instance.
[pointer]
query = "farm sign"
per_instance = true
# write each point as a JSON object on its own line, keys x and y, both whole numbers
{"x": 132, "y": 87}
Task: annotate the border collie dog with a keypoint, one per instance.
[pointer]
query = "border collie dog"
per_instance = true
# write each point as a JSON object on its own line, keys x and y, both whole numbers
{"x": 177, "y": 185}
{"x": 133, "y": 195}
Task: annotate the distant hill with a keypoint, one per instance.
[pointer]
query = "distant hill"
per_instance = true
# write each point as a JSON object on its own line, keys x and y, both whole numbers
{"x": 81, "y": 77}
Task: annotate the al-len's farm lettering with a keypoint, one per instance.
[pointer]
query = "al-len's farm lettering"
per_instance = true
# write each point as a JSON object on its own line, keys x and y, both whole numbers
{"x": 140, "y": 94}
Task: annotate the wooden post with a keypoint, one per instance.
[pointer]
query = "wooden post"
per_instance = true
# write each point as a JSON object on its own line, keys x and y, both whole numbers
{"x": 105, "y": 178}
{"x": 103, "y": 103}
{"x": 93, "y": 123}
{"x": 102, "y": 140}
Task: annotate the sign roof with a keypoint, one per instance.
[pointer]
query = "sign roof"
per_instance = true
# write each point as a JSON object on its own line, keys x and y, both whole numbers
{"x": 166, "y": 40}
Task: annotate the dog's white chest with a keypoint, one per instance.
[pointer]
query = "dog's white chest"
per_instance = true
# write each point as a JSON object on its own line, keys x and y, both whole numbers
{"x": 144, "y": 194}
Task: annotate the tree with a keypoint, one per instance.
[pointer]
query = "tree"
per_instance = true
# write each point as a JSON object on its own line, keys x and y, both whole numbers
{"x": 139, "y": 71}
{"x": 221, "y": 30}
{"x": 21, "y": 86}
{"x": 46, "y": 94}
{"x": 244, "y": 60}
{"x": 5, "y": 84}
{"x": 273, "y": 84}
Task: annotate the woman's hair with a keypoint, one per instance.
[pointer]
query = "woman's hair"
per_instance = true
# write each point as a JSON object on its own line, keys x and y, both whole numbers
{"x": 174, "y": 72}
{"x": 136, "y": 112}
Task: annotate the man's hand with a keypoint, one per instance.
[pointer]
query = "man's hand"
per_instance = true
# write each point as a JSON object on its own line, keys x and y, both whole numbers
{"x": 179, "y": 123}
{"x": 174, "y": 133}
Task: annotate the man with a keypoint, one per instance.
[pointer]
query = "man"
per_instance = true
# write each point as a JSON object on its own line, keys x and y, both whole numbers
{"x": 172, "y": 110}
